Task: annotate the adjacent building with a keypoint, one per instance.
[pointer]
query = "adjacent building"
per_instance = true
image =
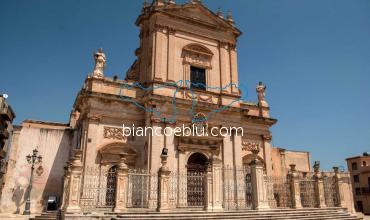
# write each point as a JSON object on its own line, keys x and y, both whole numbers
{"x": 359, "y": 168}
{"x": 6, "y": 129}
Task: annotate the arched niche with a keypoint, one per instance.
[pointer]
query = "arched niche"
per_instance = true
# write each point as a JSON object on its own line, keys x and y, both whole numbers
{"x": 110, "y": 154}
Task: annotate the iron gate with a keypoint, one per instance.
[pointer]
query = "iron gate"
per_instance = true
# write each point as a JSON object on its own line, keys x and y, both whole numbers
{"x": 195, "y": 188}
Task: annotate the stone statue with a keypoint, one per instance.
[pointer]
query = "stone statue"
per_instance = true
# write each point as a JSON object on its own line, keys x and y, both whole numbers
{"x": 261, "y": 94}
{"x": 100, "y": 61}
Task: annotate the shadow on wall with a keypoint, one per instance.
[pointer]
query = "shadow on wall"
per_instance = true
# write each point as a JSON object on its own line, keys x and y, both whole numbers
{"x": 17, "y": 198}
{"x": 54, "y": 183}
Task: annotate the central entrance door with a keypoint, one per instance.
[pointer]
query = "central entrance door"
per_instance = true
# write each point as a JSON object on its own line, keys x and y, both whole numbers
{"x": 196, "y": 169}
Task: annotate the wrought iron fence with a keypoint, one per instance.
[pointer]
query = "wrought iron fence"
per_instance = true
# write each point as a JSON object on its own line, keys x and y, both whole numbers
{"x": 142, "y": 189}
{"x": 278, "y": 192}
{"x": 307, "y": 190}
{"x": 330, "y": 191}
{"x": 187, "y": 189}
{"x": 98, "y": 190}
{"x": 237, "y": 188}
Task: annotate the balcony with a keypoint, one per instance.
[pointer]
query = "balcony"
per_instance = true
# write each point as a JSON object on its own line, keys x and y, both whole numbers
{"x": 6, "y": 112}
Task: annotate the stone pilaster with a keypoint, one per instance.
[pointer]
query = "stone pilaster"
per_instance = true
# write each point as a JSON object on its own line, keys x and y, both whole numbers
{"x": 217, "y": 184}
{"x": 259, "y": 193}
{"x": 208, "y": 181}
{"x": 164, "y": 186}
{"x": 294, "y": 187}
{"x": 122, "y": 182}
{"x": 319, "y": 188}
{"x": 66, "y": 180}
{"x": 72, "y": 204}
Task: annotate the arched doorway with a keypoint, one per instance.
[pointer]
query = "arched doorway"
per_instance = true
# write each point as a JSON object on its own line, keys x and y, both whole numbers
{"x": 110, "y": 197}
{"x": 196, "y": 169}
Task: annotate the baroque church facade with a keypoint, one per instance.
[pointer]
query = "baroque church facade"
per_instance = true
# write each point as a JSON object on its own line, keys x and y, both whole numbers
{"x": 185, "y": 74}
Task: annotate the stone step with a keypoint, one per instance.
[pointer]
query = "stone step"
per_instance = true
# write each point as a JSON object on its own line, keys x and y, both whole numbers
{"x": 46, "y": 216}
{"x": 308, "y": 214}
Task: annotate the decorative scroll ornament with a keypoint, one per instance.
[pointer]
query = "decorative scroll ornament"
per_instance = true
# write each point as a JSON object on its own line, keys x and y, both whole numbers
{"x": 114, "y": 133}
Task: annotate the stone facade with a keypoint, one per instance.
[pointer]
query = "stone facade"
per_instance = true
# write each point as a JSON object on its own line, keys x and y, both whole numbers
{"x": 359, "y": 167}
{"x": 186, "y": 61}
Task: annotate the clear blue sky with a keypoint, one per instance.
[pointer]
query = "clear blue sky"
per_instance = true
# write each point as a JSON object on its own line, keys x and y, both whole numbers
{"x": 313, "y": 55}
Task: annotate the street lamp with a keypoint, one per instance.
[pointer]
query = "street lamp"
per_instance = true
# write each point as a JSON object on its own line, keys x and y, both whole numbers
{"x": 33, "y": 159}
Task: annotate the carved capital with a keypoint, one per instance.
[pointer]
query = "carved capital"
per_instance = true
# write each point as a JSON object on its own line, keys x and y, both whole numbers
{"x": 94, "y": 117}
{"x": 267, "y": 137}
{"x": 224, "y": 45}
{"x": 171, "y": 31}
{"x": 160, "y": 28}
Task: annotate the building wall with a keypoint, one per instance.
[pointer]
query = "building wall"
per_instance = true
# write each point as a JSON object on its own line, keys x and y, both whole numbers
{"x": 281, "y": 159}
{"x": 53, "y": 143}
{"x": 360, "y": 167}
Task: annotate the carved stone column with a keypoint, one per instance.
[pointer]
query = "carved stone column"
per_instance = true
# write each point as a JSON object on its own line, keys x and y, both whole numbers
{"x": 122, "y": 182}
{"x": 259, "y": 193}
{"x": 319, "y": 188}
{"x": 294, "y": 187}
{"x": 75, "y": 176}
{"x": 164, "y": 185}
{"x": 208, "y": 189}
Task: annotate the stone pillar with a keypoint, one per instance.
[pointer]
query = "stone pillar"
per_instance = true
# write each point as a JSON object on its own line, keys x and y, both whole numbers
{"x": 259, "y": 189}
{"x": 319, "y": 188}
{"x": 217, "y": 189}
{"x": 294, "y": 187}
{"x": 66, "y": 182}
{"x": 122, "y": 182}
{"x": 164, "y": 185}
{"x": 72, "y": 204}
{"x": 338, "y": 187}
{"x": 208, "y": 181}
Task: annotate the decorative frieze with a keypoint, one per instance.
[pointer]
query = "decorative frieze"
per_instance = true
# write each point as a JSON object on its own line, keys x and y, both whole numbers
{"x": 114, "y": 133}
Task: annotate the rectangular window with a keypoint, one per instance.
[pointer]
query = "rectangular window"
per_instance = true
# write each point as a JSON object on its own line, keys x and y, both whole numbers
{"x": 356, "y": 178}
{"x": 197, "y": 78}
{"x": 354, "y": 166}
{"x": 358, "y": 191}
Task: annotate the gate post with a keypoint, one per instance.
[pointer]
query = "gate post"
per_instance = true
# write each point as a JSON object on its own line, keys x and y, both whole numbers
{"x": 121, "y": 186}
{"x": 338, "y": 186}
{"x": 72, "y": 203}
{"x": 163, "y": 194}
{"x": 319, "y": 187}
{"x": 259, "y": 189}
{"x": 294, "y": 187}
{"x": 208, "y": 183}
{"x": 217, "y": 189}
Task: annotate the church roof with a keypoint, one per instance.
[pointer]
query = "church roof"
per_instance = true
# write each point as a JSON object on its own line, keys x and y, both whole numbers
{"x": 193, "y": 11}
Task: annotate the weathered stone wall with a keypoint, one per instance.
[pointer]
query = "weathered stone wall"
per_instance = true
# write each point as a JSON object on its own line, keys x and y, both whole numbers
{"x": 53, "y": 143}
{"x": 281, "y": 159}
